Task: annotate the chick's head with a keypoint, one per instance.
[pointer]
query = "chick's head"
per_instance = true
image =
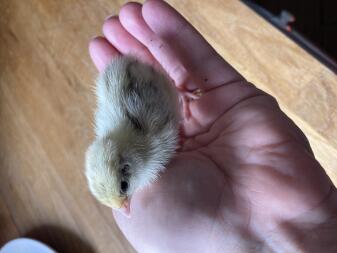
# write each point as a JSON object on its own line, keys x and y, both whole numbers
{"x": 107, "y": 173}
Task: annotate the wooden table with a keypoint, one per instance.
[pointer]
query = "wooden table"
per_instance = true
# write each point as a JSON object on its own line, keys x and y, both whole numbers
{"x": 46, "y": 107}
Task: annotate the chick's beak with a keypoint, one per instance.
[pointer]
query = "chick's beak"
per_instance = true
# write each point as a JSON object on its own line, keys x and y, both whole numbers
{"x": 121, "y": 204}
{"x": 115, "y": 202}
{"x": 125, "y": 209}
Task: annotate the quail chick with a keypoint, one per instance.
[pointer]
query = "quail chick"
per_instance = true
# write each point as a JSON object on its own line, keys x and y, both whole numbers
{"x": 136, "y": 126}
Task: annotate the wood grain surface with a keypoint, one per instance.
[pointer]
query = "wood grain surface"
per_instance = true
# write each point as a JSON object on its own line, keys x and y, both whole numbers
{"x": 46, "y": 106}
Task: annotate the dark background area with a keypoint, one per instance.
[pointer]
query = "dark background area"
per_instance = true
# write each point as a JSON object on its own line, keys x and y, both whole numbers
{"x": 315, "y": 19}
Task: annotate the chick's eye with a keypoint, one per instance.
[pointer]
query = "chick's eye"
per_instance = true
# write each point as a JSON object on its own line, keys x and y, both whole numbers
{"x": 124, "y": 186}
{"x": 125, "y": 169}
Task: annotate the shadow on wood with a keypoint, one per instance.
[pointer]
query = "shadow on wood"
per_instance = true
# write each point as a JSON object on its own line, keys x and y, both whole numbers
{"x": 60, "y": 239}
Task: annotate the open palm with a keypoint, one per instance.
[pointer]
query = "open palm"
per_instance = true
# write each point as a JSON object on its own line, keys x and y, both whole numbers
{"x": 244, "y": 170}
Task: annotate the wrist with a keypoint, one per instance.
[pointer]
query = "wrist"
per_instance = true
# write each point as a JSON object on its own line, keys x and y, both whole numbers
{"x": 314, "y": 231}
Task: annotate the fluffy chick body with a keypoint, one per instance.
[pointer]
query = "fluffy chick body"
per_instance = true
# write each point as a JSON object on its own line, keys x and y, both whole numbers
{"x": 136, "y": 125}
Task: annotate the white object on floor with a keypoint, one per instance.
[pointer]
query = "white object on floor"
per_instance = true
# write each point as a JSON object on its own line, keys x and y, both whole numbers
{"x": 25, "y": 245}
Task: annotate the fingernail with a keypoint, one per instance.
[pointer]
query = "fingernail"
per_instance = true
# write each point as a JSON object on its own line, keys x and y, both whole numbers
{"x": 94, "y": 37}
{"x": 109, "y": 17}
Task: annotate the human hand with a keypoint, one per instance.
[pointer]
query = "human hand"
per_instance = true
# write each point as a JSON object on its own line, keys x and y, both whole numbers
{"x": 245, "y": 179}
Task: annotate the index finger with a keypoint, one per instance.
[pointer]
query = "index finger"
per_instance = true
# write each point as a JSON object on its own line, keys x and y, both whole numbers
{"x": 202, "y": 60}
